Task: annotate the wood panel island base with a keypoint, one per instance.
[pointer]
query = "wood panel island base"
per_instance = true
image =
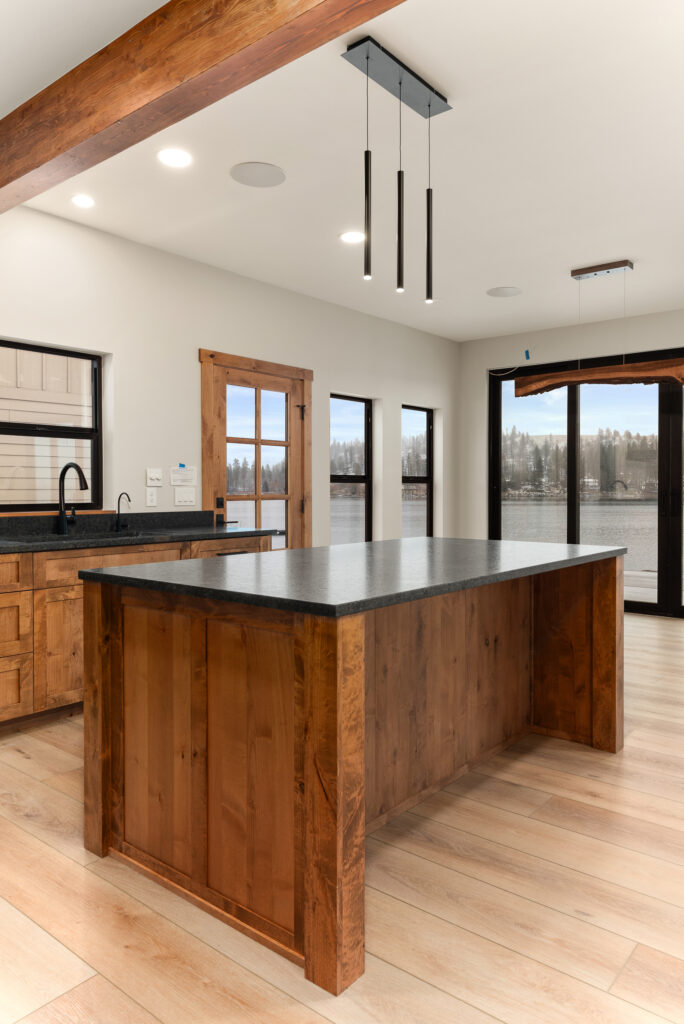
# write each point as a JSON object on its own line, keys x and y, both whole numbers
{"x": 249, "y": 720}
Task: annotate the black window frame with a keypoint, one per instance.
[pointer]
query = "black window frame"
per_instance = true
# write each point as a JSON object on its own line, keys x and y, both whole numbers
{"x": 367, "y": 477}
{"x": 670, "y": 445}
{"x": 93, "y": 434}
{"x": 429, "y": 479}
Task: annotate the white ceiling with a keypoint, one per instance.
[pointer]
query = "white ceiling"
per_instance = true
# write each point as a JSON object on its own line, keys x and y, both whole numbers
{"x": 564, "y": 148}
{"x": 43, "y": 39}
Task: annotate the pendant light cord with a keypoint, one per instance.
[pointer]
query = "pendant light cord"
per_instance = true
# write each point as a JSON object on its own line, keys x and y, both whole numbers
{"x": 399, "y": 124}
{"x": 367, "y": 115}
{"x": 429, "y": 146}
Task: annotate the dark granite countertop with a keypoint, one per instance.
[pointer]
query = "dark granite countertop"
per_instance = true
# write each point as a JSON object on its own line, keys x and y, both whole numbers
{"x": 37, "y": 533}
{"x": 349, "y": 578}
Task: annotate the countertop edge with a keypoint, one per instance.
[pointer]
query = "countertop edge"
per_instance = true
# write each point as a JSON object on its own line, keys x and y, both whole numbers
{"x": 121, "y": 540}
{"x": 114, "y": 577}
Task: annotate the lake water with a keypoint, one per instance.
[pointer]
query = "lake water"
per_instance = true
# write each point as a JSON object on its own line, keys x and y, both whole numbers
{"x": 347, "y": 519}
{"x": 633, "y": 525}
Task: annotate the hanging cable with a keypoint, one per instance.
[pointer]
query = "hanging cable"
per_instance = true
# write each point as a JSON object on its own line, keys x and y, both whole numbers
{"x": 367, "y": 186}
{"x": 400, "y": 211}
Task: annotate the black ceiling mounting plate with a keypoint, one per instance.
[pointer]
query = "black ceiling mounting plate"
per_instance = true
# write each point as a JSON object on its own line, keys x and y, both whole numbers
{"x": 388, "y": 71}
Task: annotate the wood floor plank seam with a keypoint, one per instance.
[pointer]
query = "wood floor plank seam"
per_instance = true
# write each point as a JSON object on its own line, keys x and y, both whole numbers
{"x": 548, "y": 860}
{"x": 236, "y": 963}
{"x": 610, "y": 842}
{"x": 538, "y": 903}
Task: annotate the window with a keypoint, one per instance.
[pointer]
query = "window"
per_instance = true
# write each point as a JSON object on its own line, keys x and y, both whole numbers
{"x": 351, "y": 470}
{"x": 594, "y": 463}
{"x": 50, "y": 402}
{"x": 416, "y": 471}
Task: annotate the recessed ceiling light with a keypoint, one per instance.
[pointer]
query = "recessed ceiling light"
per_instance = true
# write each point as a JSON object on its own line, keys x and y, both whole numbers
{"x": 258, "y": 175}
{"x": 504, "y": 291}
{"x": 83, "y": 201}
{"x": 174, "y": 157}
{"x": 352, "y": 237}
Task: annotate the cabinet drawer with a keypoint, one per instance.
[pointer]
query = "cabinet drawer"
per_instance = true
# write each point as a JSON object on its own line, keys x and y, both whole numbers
{"x": 16, "y": 623}
{"x": 232, "y": 546}
{"x": 16, "y": 686}
{"x": 61, "y": 568}
{"x": 16, "y": 572}
{"x": 58, "y": 647}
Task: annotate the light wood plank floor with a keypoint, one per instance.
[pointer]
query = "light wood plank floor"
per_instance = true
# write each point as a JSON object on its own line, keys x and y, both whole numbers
{"x": 545, "y": 887}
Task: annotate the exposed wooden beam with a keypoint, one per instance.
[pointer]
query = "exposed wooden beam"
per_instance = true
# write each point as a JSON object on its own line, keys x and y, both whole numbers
{"x": 623, "y": 373}
{"x": 180, "y": 59}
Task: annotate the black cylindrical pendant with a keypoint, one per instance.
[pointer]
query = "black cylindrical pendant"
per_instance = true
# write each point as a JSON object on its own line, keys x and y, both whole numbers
{"x": 428, "y": 254}
{"x": 400, "y": 231}
{"x": 367, "y": 217}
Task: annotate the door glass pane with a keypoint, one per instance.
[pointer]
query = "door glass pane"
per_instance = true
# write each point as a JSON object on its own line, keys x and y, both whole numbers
{"x": 241, "y": 513}
{"x": 347, "y": 513}
{"x": 273, "y": 416}
{"x": 534, "y": 458}
{"x": 414, "y": 510}
{"x": 240, "y": 471}
{"x": 273, "y": 469}
{"x": 240, "y": 411}
{"x": 347, "y": 437}
{"x": 414, "y": 442}
{"x": 619, "y": 478}
{"x": 274, "y": 517}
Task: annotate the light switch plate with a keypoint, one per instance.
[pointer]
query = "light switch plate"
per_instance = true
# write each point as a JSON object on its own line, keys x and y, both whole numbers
{"x": 151, "y": 497}
{"x": 154, "y": 476}
{"x": 185, "y": 496}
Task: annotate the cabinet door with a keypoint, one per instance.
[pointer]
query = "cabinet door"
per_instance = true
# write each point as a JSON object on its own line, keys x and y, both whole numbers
{"x": 16, "y": 686}
{"x": 57, "y": 647}
{"x": 16, "y": 623}
{"x": 227, "y": 546}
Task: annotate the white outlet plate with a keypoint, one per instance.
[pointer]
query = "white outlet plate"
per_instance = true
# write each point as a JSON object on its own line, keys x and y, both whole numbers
{"x": 185, "y": 496}
{"x": 151, "y": 497}
{"x": 155, "y": 476}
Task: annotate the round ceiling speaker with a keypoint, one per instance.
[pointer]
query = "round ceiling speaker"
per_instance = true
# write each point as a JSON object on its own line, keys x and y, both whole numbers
{"x": 258, "y": 175}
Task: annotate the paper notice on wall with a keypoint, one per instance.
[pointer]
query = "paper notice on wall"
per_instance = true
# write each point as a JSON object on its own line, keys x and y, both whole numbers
{"x": 183, "y": 476}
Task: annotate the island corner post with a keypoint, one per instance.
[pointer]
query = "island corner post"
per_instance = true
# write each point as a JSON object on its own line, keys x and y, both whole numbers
{"x": 239, "y": 754}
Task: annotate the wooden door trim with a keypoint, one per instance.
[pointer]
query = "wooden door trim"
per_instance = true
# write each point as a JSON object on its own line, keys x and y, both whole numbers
{"x": 253, "y": 365}
{"x": 178, "y": 60}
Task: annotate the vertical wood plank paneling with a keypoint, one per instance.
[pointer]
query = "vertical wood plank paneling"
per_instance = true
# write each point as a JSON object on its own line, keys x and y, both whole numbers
{"x": 158, "y": 674}
{"x": 331, "y": 656}
{"x": 563, "y": 652}
{"x": 416, "y": 700}
{"x": 251, "y": 768}
{"x": 498, "y": 664}
{"x": 608, "y": 655}
{"x": 96, "y": 721}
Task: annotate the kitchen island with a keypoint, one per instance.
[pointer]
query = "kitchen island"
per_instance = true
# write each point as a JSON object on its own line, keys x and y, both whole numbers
{"x": 249, "y": 720}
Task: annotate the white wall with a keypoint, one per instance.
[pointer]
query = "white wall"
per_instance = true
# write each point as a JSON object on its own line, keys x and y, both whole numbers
{"x": 65, "y": 285}
{"x": 610, "y": 337}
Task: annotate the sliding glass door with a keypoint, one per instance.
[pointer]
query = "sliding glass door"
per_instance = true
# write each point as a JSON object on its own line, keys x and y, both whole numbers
{"x": 594, "y": 464}
{"x": 618, "y": 480}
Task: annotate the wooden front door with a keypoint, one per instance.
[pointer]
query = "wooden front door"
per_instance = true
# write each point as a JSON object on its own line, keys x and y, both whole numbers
{"x": 256, "y": 445}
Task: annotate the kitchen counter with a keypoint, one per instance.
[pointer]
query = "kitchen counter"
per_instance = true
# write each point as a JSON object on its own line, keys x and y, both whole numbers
{"x": 35, "y": 533}
{"x": 350, "y": 578}
{"x": 249, "y": 720}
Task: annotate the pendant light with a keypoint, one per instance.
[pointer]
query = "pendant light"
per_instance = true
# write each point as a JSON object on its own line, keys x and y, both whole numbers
{"x": 367, "y": 274}
{"x": 400, "y": 212}
{"x": 428, "y": 232}
{"x": 415, "y": 93}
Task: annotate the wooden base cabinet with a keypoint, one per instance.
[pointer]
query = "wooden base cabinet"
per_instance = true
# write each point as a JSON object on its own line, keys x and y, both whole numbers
{"x": 41, "y": 629}
{"x": 57, "y": 647}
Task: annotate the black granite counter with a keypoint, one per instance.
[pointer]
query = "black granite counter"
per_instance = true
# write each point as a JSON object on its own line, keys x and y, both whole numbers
{"x": 38, "y": 533}
{"x": 348, "y": 578}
